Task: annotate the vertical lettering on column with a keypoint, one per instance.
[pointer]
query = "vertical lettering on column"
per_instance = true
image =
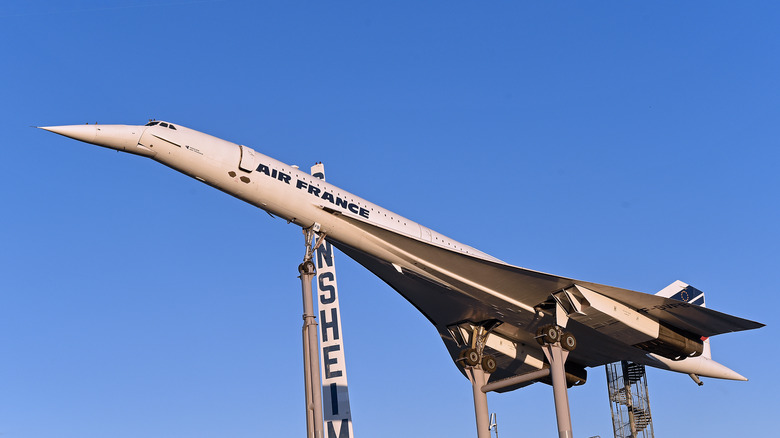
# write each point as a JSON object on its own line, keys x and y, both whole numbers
{"x": 335, "y": 397}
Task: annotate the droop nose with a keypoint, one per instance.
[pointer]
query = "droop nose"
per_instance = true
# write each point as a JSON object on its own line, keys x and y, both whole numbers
{"x": 120, "y": 137}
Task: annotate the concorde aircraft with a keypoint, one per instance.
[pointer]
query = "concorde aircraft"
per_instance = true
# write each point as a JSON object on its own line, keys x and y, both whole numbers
{"x": 504, "y": 326}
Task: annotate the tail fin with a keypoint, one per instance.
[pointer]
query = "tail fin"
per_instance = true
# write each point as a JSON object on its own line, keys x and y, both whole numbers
{"x": 681, "y": 291}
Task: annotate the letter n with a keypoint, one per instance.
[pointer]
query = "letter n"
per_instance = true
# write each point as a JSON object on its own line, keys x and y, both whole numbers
{"x": 324, "y": 254}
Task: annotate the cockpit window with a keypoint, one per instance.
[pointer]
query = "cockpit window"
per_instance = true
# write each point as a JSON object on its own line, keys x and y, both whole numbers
{"x": 163, "y": 124}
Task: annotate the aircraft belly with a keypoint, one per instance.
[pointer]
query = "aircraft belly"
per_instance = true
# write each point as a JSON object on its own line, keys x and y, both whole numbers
{"x": 447, "y": 305}
{"x": 438, "y": 303}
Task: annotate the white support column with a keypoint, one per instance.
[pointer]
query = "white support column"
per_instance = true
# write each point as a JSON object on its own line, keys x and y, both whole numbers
{"x": 337, "y": 414}
{"x": 479, "y": 378}
{"x": 311, "y": 361}
{"x": 556, "y": 355}
{"x": 307, "y": 383}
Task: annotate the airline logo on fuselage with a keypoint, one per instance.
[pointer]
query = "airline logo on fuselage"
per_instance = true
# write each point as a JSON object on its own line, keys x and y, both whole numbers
{"x": 313, "y": 190}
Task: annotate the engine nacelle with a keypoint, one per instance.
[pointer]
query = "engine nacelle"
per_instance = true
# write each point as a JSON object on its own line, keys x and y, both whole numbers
{"x": 674, "y": 344}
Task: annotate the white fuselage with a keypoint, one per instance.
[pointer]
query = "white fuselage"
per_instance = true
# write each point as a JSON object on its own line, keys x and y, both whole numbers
{"x": 281, "y": 189}
{"x": 300, "y": 198}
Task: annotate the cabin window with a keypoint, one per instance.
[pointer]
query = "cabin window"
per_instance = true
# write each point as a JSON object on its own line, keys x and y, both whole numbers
{"x": 172, "y": 127}
{"x": 164, "y": 125}
{"x": 152, "y": 123}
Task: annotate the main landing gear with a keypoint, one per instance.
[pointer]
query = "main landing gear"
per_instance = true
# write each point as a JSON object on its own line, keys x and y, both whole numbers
{"x": 471, "y": 357}
{"x": 556, "y": 345}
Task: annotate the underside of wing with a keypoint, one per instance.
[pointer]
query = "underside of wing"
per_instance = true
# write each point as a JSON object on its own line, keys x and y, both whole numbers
{"x": 456, "y": 291}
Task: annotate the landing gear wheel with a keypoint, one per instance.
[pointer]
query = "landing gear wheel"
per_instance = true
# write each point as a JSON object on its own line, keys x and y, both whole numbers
{"x": 568, "y": 342}
{"x": 547, "y": 334}
{"x": 471, "y": 357}
{"x": 489, "y": 364}
{"x": 306, "y": 267}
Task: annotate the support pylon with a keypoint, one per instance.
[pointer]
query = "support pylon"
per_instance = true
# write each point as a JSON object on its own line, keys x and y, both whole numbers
{"x": 478, "y": 379}
{"x": 311, "y": 356}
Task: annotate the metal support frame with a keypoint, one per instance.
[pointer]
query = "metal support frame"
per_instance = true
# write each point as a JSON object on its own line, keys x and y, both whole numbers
{"x": 311, "y": 356}
{"x": 516, "y": 380}
{"x": 479, "y": 378}
{"x": 628, "y": 400}
{"x": 556, "y": 345}
{"x": 557, "y": 355}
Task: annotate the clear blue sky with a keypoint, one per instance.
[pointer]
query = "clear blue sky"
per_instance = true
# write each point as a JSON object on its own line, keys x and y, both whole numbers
{"x": 626, "y": 143}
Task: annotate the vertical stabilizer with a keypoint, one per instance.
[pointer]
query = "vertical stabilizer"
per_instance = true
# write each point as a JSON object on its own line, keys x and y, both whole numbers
{"x": 682, "y": 291}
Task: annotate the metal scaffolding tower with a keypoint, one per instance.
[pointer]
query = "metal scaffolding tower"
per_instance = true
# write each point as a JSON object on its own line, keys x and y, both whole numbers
{"x": 629, "y": 400}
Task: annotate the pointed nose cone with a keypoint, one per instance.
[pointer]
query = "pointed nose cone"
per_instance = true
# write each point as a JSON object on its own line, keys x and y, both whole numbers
{"x": 123, "y": 138}
{"x": 85, "y": 133}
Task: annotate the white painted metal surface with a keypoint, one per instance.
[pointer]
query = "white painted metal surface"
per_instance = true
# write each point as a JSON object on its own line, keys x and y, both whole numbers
{"x": 335, "y": 392}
